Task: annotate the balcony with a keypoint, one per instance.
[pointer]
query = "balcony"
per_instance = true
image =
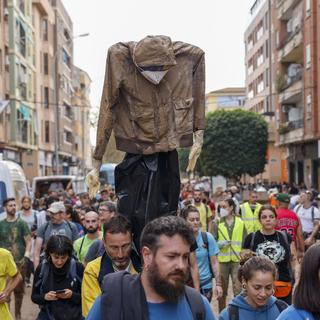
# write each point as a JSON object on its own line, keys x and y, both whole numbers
{"x": 291, "y": 92}
{"x": 43, "y": 6}
{"x": 292, "y": 47}
{"x": 291, "y": 132}
{"x": 285, "y": 8}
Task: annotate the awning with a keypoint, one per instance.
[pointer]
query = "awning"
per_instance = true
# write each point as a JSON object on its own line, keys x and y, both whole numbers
{"x": 3, "y": 104}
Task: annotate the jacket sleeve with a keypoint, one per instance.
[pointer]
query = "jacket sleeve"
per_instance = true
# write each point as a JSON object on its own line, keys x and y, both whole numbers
{"x": 110, "y": 95}
{"x": 198, "y": 86}
{"x": 90, "y": 288}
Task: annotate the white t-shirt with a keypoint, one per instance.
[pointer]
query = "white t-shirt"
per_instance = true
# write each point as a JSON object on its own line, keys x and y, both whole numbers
{"x": 305, "y": 216}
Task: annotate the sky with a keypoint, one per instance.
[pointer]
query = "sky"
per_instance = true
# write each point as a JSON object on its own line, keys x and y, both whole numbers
{"x": 216, "y": 26}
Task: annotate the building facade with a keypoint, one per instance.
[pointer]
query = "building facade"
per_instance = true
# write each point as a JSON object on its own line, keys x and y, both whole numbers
{"x": 39, "y": 127}
{"x": 227, "y": 98}
{"x": 296, "y": 25}
{"x": 81, "y": 107}
{"x": 259, "y": 82}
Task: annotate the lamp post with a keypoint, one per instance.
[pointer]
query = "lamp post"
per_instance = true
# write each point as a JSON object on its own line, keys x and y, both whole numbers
{"x": 56, "y": 87}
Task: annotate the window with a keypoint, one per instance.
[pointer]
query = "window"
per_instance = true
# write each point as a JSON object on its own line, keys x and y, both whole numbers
{"x": 308, "y": 8}
{"x": 46, "y": 98}
{"x": 1, "y": 61}
{"x": 45, "y": 29}
{"x": 308, "y": 56}
{"x": 266, "y": 46}
{"x": 260, "y": 33}
{"x": 68, "y": 136}
{"x": 22, "y": 39}
{"x": 22, "y": 6}
{"x": 68, "y": 111}
{"x": 66, "y": 58}
{"x": 45, "y": 63}
{"x": 66, "y": 34}
{"x": 266, "y": 77}
{"x": 46, "y": 131}
{"x": 309, "y": 103}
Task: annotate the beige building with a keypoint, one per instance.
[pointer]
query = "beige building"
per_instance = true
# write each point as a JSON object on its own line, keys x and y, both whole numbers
{"x": 259, "y": 77}
{"x": 227, "y": 98}
{"x": 38, "y": 122}
{"x": 81, "y": 106}
{"x": 44, "y": 20}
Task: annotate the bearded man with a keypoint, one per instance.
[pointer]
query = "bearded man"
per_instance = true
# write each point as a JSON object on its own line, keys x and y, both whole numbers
{"x": 160, "y": 291}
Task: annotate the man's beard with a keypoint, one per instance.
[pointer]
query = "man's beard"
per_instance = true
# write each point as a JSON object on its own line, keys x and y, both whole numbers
{"x": 170, "y": 292}
{"x": 91, "y": 230}
{"x": 26, "y": 208}
{"x": 197, "y": 200}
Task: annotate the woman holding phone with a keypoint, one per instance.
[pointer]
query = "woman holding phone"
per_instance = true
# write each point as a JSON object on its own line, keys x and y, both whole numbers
{"x": 57, "y": 282}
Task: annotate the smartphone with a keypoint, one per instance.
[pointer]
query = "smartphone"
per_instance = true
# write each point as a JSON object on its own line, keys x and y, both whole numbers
{"x": 60, "y": 291}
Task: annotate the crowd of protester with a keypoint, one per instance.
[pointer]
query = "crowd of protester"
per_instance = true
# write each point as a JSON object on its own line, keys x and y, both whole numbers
{"x": 67, "y": 246}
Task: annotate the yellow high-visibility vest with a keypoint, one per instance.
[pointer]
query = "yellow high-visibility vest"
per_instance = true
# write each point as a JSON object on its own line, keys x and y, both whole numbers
{"x": 231, "y": 253}
{"x": 250, "y": 219}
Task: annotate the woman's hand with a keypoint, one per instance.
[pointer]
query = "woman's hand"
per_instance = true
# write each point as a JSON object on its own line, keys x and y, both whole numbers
{"x": 219, "y": 291}
{"x": 50, "y": 296}
{"x": 67, "y": 294}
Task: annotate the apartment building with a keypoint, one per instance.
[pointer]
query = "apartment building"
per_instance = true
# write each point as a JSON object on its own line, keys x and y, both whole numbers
{"x": 65, "y": 146}
{"x": 296, "y": 26}
{"x": 40, "y": 128}
{"x": 81, "y": 106}
{"x": 227, "y": 98}
{"x": 20, "y": 125}
{"x": 44, "y": 21}
{"x": 259, "y": 80}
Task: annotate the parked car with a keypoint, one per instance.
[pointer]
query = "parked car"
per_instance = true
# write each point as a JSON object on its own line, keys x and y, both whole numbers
{"x": 13, "y": 182}
{"x": 42, "y": 185}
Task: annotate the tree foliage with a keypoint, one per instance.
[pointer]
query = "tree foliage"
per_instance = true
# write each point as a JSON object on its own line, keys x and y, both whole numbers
{"x": 235, "y": 143}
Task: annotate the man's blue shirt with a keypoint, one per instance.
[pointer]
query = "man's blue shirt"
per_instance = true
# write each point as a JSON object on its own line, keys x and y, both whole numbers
{"x": 160, "y": 311}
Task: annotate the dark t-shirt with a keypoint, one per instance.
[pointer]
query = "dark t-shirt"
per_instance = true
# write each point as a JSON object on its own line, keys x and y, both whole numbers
{"x": 275, "y": 247}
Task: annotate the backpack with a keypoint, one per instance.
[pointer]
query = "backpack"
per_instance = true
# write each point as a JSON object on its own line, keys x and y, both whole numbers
{"x": 124, "y": 290}
{"x": 196, "y": 303}
{"x": 234, "y": 310}
{"x": 206, "y": 244}
{"x": 44, "y": 272}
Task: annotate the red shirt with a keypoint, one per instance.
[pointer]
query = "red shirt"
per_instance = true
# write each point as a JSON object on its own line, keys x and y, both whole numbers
{"x": 287, "y": 221}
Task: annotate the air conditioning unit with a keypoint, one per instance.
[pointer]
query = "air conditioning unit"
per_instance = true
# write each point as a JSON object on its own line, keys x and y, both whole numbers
{"x": 7, "y": 60}
{"x": 6, "y": 12}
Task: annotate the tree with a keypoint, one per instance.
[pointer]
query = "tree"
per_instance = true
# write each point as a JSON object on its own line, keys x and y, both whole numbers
{"x": 235, "y": 143}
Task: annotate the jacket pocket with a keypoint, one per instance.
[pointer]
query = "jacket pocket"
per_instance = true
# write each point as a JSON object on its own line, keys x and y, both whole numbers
{"x": 144, "y": 122}
{"x": 183, "y": 115}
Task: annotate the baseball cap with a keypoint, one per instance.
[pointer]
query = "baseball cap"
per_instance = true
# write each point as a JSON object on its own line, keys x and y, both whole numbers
{"x": 283, "y": 197}
{"x": 57, "y": 207}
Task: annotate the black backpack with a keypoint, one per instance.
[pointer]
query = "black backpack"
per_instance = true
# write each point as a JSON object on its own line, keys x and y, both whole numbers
{"x": 234, "y": 310}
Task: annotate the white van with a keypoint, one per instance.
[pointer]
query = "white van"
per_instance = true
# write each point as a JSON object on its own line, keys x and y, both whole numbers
{"x": 13, "y": 182}
{"x": 42, "y": 185}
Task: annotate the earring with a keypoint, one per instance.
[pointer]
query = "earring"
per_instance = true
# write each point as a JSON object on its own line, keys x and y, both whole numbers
{"x": 273, "y": 291}
{"x": 244, "y": 287}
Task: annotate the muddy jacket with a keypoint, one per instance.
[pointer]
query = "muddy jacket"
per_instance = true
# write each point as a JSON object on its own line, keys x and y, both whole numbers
{"x": 153, "y": 96}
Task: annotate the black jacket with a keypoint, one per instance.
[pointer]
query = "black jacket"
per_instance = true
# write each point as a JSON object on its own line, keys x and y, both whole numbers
{"x": 58, "y": 279}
